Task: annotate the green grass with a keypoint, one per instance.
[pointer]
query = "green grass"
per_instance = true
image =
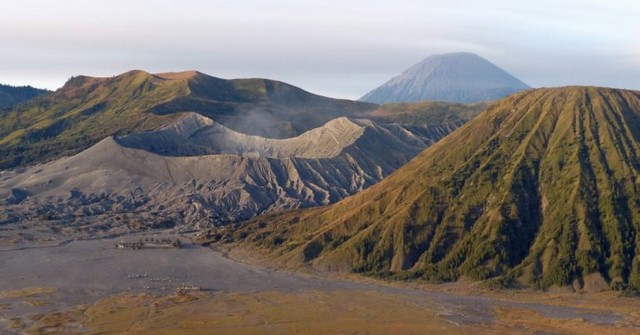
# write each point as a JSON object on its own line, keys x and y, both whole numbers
{"x": 540, "y": 190}
{"x": 86, "y": 110}
{"x": 80, "y": 114}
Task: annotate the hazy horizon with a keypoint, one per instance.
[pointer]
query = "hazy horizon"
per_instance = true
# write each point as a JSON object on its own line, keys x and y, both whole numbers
{"x": 327, "y": 47}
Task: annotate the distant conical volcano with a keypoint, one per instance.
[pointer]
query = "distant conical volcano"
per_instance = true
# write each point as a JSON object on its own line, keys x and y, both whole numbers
{"x": 455, "y": 77}
{"x": 541, "y": 189}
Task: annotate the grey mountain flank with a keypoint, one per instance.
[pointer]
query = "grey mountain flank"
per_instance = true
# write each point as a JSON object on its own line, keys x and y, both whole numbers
{"x": 455, "y": 77}
{"x": 198, "y": 135}
{"x": 199, "y": 172}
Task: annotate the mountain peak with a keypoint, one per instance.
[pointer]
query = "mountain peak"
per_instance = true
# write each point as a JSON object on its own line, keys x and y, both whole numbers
{"x": 178, "y": 75}
{"x": 455, "y": 77}
{"x": 132, "y": 75}
{"x": 460, "y": 55}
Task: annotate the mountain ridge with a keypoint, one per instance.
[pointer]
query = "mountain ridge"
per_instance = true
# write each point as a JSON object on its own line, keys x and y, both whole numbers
{"x": 86, "y": 109}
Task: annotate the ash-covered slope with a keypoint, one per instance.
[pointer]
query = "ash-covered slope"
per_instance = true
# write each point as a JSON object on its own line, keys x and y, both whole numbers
{"x": 455, "y": 77}
{"x": 541, "y": 189}
{"x": 197, "y": 171}
{"x": 198, "y": 135}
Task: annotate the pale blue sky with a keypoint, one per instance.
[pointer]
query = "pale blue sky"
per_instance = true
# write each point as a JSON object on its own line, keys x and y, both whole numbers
{"x": 330, "y": 47}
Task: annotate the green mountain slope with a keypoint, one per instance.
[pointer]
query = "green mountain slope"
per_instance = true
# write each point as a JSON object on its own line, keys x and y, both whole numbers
{"x": 81, "y": 113}
{"x": 539, "y": 190}
{"x": 87, "y": 109}
{"x": 12, "y": 95}
{"x": 260, "y": 106}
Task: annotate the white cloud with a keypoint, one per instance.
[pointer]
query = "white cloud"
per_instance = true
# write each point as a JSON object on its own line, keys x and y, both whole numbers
{"x": 332, "y": 47}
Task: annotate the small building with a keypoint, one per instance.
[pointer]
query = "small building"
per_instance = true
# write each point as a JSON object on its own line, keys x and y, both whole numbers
{"x": 187, "y": 288}
{"x": 124, "y": 245}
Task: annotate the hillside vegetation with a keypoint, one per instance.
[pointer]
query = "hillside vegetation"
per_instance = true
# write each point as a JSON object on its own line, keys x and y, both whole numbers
{"x": 87, "y": 109}
{"x": 80, "y": 114}
{"x": 12, "y": 95}
{"x": 539, "y": 190}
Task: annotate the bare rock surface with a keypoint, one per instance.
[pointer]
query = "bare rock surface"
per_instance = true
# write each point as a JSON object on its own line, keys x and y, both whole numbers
{"x": 198, "y": 172}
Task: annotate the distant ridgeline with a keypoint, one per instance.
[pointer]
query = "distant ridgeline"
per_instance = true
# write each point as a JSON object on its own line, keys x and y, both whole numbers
{"x": 13, "y": 95}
